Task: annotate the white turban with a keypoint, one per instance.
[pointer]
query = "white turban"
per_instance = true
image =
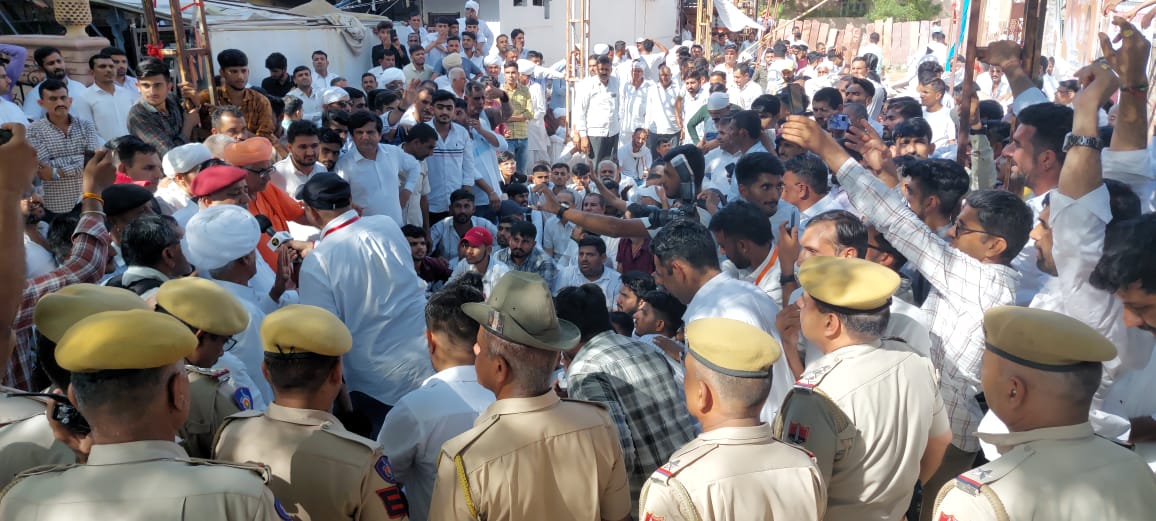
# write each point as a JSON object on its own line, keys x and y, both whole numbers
{"x": 391, "y": 75}
{"x": 185, "y": 158}
{"x": 601, "y": 49}
{"x": 492, "y": 59}
{"x": 218, "y": 235}
{"x": 471, "y": 4}
{"x": 525, "y": 66}
{"x": 333, "y": 95}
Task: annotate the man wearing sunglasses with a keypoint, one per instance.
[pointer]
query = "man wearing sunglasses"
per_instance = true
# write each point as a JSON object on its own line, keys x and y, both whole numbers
{"x": 254, "y": 156}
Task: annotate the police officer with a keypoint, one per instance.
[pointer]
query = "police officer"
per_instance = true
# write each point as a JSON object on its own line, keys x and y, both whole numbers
{"x": 127, "y": 379}
{"x": 214, "y": 315}
{"x": 735, "y": 468}
{"x": 530, "y": 455}
{"x": 1040, "y": 371}
{"x": 26, "y": 438}
{"x": 320, "y": 470}
{"x": 869, "y": 408}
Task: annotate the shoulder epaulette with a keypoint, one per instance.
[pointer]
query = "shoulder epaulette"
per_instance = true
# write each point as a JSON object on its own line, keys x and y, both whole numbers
{"x": 219, "y": 374}
{"x": 260, "y": 469}
{"x": 340, "y": 432}
{"x": 813, "y": 377}
{"x": 973, "y": 480}
{"x": 678, "y": 462}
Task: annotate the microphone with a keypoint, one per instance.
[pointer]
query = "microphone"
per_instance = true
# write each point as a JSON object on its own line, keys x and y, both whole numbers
{"x": 278, "y": 238}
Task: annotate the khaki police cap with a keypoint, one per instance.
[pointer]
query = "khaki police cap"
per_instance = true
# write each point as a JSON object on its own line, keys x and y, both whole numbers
{"x": 58, "y": 311}
{"x": 850, "y": 285}
{"x": 732, "y": 347}
{"x": 298, "y": 329}
{"x": 1043, "y": 340}
{"x": 202, "y": 304}
{"x": 135, "y": 339}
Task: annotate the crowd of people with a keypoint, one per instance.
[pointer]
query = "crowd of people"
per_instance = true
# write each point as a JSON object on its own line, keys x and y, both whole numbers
{"x": 758, "y": 286}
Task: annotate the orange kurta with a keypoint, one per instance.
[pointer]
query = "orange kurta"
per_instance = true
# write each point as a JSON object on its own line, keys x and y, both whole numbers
{"x": 275, "y": 204}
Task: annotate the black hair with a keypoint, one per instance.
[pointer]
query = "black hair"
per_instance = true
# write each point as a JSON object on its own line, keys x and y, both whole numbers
{"x": 330, "y": 137}
{"x": 830, "y": 96}
{"x": 152, "y": 67}
{"x": 338, "y": 116}
{"x": 687, "y": 240}
{"x": 812, "y": 170}
{"x": 305, "y": 372}
{"x": 638, "y": 282}
{"x": 42, "y": 53}
{"x": 767, "y": 104}
{"x": 1123, "y": 200}
{"x": 668, "y": 307}
{"x": 111, "y": 51}
{"x": 907, "y": 107}
{"x": 596, "y": 242}
{"x": 232, "y": 58}
{"x": 1128, "y": 247}
{"x": 51, "y": 84}
{"x": 943, "y": 178}
{"x": 513, "y": 189}
{"x": 867, "y": 86}
{"x": 928, "y": 71}
{"x": 623, "y": 323}
{"x": 748, "y": 122}
{"x": 420, "y": 134}
{"x": 410, "y": 230}
{"x": 127, "y": 147}
{"x": 912, "y": 127}
{"x": 444, "y": 312}
{"x": 144, "y": 239}
{"x": 850, "y": 232}
{"x": 1003, "y": 214}
{"x": 98, "y": 56}
{"x": 362, "y": 118}
{"x": 301, "y": 127}
{"x": 460, "y": 194}
{"x": 743, "y": 220}
{"x": 1052, "y": 123}
{"x": 276, "y": 61}
{"x": 300, "y": 68}
{"x": 585, "y": 307}
{"x": 354, "y": 93}
{"x": 990, "y": 109}
{"x": 524, "y": 229}
{"x": 442, "y": 95}
{"x": 694, "y": 159}
{"x": 751, "y": 166}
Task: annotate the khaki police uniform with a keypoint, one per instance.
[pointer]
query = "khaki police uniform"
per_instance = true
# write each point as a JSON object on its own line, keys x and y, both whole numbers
{"x": 205, "y": 306}
{"x": 212, "y": 398}
{"x": 735, "y": 473}
{"x": 320, "y": 470}
{"x": 1057, "y": 473}
{"x": 26, "y": 439}
{"x": 866, "y": 411}
{"x": 141, "y": 479}
{"x": 1062, "y": 472}
{"x": 533, "y": 458}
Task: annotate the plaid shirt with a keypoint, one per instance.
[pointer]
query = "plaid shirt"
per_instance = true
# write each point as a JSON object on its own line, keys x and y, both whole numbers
{"x": 522, "y": 106}
{"x": 636, "y": 381}
{"x": 962, "y": 289}
{"x": 538, "y": 262}
{"x": 65, "y": 151}
{"x": 255, "y": 106}
{"x": 163, "y": 130}
{"x": 85, "y": 263}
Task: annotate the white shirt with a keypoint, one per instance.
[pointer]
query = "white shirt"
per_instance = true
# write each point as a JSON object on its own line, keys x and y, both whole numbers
{"x": 445, "y": 406}
{"x": 691, "y": 103}
{"x": 825, "y": 204}
{"x": 310, "y": 103}
{"x": 596, "y": 113}
{"x": 130, "y": 84}
{"x": 747, "y": 95}
{"x": 324, "y": 82}
{"x": 633, "y": 105}
{"x": 1032, "y": 279}
{"x": 11, "y": 113}
{"x": 108, "y": 112}
{"x": 37, "y": 260}
{"x": 660, "y": 117}
{"x": 610, "y": 282}
{"x": 633, "y": 164}
{"x": 494, "y": 271}
{"x": 172, "y": 197}
{"x": 452, "y": 166}
{"x": 374, "y": 182}
{"x": 765, "y": 276}
{"x": 943, "y": 130}
{"x": 486, "y": 160}
{"x": 412, "y": 211}
{"x": 289, "y": 179}
{"x": 725, "y": 297}
{"x": 445, "y": 238}
{"x": 32, "y": 109}
{"x": 369, "y": 256}
{"x": 249, "y": 349}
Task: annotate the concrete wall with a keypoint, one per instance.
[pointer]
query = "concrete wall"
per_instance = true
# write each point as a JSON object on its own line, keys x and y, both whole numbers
{"x": 297, "y": 44}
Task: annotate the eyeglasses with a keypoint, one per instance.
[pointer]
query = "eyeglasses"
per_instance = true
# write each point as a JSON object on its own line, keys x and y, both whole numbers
{"x": 228, "y": 341}
{"x": 961, "y": 230}
{"x": 264, "y": 172}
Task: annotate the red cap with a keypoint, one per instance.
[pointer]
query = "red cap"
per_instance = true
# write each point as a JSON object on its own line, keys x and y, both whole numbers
{"x": 216, "y": 178}
{"x": 478, "y": 236}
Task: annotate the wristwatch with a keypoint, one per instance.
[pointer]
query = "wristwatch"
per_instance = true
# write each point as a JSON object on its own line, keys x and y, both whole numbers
{"x": 561, "y": 210}
{"x": 787, "y": 279}
{"x": 1072, "y": 140}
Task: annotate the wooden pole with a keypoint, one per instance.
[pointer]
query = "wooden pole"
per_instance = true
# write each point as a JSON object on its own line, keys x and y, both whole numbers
{"x": 1034, "y": 13}
{"x": 962, "y": 137}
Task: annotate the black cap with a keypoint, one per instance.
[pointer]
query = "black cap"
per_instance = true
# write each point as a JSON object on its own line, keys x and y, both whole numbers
{"x": 509, "y": 208}
{"x": 121, "y": 198}
{"x": 325, "y": 191}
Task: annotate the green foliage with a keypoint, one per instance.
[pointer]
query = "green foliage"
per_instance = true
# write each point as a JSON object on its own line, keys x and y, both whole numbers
{"x": 904, "y": 10}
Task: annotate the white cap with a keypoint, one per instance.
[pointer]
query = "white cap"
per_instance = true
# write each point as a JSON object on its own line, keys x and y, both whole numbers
{"x": 471, "y": 4}
{"x": 391, "y": 75}
{"x": 492, "y": 59}
{"x": 185, "y": 158}
{"x": 333, "y": 95}
{"x": 647, "y": 191}
{"x": 640, "y": 40}
{"x": 525, "y": 66}
{"x": 718, "y": 101}
{"x": 560, "y": 112}
{"x": 601, "y": 49}
{"x": 220, "y": 234}
{"x": 216, "y": 144}
{"x": 637, "y": 65}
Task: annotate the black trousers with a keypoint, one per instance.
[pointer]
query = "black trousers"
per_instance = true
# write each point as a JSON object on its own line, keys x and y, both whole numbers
{"x": 603, "y": 148}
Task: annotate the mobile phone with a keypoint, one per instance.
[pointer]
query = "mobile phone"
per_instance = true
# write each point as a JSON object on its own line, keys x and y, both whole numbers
{"x": 839, "y": 122}
{"x": 88, "y": 155}
{"x": 70, "y": 417}
{"x": 711, "y": 136}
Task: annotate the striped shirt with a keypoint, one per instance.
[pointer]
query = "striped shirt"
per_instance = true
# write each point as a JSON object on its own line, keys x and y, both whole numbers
{"x": 450, "y": 167}
{"x": 64, "y": 150}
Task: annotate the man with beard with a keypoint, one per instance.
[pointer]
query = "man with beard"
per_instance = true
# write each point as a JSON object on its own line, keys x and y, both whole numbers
{"x": 745, "y": 237}
{"x": 38, "y": 258}
{"x": 523, "y": 253}
{"x": 293, "y": 171}
{"x": 105, "y": 103}
{"x": 446, "y": 234}
{"x": 51, "y": 61}
{"x": 591, "y": 269}
{"x": 477, "y": 247}
{"x": 252, "y": 156}
{"x": 760, "y": 180}
{"x": 234, "y": 69}
{"x": 61, "y": 141}
{"x": 330, "y": 150}
{"x": 433, "y": 270}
